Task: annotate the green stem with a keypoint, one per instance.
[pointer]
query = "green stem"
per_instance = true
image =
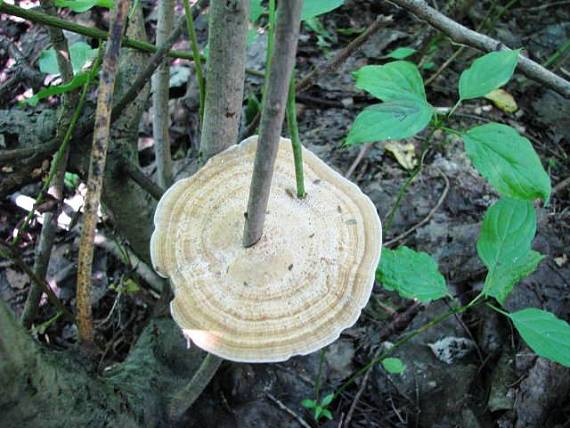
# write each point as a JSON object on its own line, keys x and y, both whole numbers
{"x": 95, "y": 33}
{"x": 405, "y": 340}
{"x": 295, "y": 140}
{"x": 404, "y": 188}
{"x": 556, "y": 55}
{"x": 498, "y": 310}
{"x": 196, "y": 55}
{"x": 59, "y": 155}
{"x": 455, "y": 107}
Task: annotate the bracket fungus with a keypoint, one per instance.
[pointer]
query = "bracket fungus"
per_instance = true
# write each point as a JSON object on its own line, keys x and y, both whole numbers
{"x": 292, "y": 293}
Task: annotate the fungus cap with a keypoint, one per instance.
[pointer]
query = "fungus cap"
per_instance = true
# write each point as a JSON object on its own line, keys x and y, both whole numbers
{"x": 293, "y": 292}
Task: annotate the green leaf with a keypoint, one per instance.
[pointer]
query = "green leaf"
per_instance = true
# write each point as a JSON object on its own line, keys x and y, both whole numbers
{"x": 545, "y": 334}
{"x": 508, "y": 161}
{"x": 255, "y": 10}
{"x": 80, "y": 53}
{"x": 83, "y": 5}
{"x": 501, "y": 279}
{"x": 48, "y": 62}
{"x": 504, "y": 245}
{"x": 308, "y": 404}
{"x": 392, "y": 120}
{"x": 393, "y": 365}
{"x": 411, "y": 273}
{"x": 401, "y": 53}
{"x": 312, "y": 8}
{"x": 327, "y": 399}
{"x": 391, "y": 81}
{"x": 77, "y": 81}
{"x": 327, "y": 414}
{"x": 487, "y": 73}
{"x": 318, "y": 411}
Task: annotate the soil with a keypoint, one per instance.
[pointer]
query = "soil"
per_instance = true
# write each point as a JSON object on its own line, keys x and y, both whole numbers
{"x": 490, "y": 378}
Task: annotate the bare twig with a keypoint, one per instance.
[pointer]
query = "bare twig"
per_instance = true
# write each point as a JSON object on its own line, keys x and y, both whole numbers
{"x": 128, "y": 257}
{"x": 95, "y": 33}
{"x": 560, "y": 186}
{"x": 9, "y": 253}
{"x": 427, "y": 217}
{"x": 160, "y": 95}
{"x": 142, "y": 180}
{"x": 343, "y": 55}
{"x": 96, "y": 171}
{"x": 287, "y": 410}
{"x": 184, "y": 398}
{"x": 400, "y": 320}
{"x": 57, "y": 173}
{"x": 196, "y": 53}
{"x": 363, "y": 152}
{"x": 282, "y": 63}
{"x": 25, "y": 152}
{"x": 463, "y": 35}
{"x": 361, "y": 389}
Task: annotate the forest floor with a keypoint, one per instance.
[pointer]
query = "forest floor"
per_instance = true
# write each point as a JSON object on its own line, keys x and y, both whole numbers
{"x": 496, "y": 380}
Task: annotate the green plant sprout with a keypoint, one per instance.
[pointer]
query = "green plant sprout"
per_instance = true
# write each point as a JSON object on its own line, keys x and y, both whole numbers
{"x": 505, "y": 159}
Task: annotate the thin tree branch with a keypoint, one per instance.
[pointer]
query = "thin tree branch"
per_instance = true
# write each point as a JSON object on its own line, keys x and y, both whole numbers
{"x": 9, "y": 253}
{"x": 142, "y": 180}
{"x": 184, "y": 398}
{"x": 57, "y": 173}
{"x": 160, "y": 96}
{"x": 95, "y": 33}
{"x": 225, "y": 75}
{"x": 196, "y": 53}
{"x": 282, "y": 63}
{"x": 343, "y": 55}
{"x": 96, "y": 172}
{"x": 330, "y": 66}
{"x": 463, "y": 35}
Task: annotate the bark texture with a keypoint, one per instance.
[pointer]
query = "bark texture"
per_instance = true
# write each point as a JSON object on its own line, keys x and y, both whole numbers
{"x": 160, "y": 95}
{"x": 225, "y": 75}
{"x": 282, "y": 62}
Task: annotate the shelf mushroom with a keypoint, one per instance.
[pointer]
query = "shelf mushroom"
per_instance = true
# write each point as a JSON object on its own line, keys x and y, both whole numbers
{"x": 293, "y": 292}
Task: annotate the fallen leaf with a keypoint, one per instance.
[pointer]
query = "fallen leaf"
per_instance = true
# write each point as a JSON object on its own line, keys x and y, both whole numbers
{"x": 503, "y": 100}
{"x": 405, "y": 154}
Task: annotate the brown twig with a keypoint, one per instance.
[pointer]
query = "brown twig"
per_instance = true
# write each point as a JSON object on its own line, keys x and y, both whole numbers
{"x": 95, "y": 33}
{"x": 59, "y": 165}
{"x": 25, "y": 152}
{"x": 343, "y": 55}
{"x": 281, "y": 68}
{"x": 329, "y": 67}
{"x": 139, "y": 177}
{"x": 399, "y": 321}
{"x": 287, "y": 410}
{"x": 427, "y": 217}
{"x": 463, "y": 35}
{"x": 9, "y": 253}
{"x": 560, "y": 186}
{"x": 363, "y": 152}
{"x": 184, "y": 398}
{"x": 96, "y": 171}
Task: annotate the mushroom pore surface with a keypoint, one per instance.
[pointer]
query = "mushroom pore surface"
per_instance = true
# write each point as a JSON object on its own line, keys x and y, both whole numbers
{"x": 293, "y": 292}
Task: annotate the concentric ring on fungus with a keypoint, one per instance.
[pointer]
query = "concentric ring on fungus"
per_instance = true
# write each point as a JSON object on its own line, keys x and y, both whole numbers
{"x": 293, "y": 292}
